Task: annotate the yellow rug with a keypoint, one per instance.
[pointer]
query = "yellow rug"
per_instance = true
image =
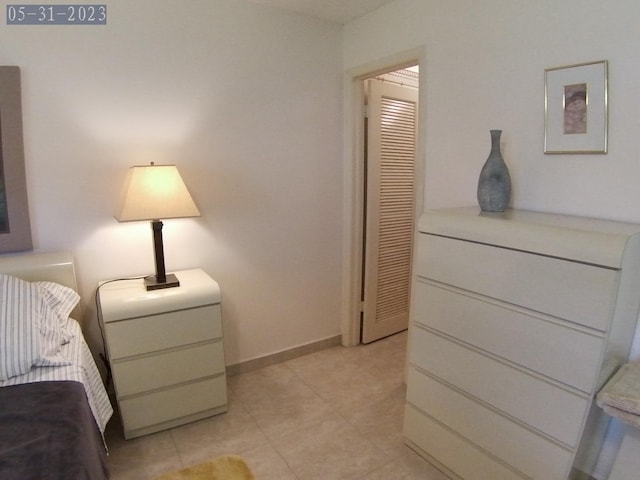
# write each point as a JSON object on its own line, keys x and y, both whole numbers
{"x": 228, "y": 467}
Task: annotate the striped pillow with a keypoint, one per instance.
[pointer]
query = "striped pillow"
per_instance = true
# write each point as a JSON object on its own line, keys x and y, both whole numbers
{"x": 19, "y": 329}
{"x": 62, "y": 301}
{"x": 33, "y": 324}
{"x": 56, "y": 304}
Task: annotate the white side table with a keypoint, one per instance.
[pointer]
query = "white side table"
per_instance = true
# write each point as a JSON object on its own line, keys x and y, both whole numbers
{"x": 620, "y": 399}
{"x": 627, "y": 462}
{"x": 166, "y": 352}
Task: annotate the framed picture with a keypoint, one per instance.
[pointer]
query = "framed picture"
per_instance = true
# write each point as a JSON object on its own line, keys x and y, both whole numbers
{"x": 15, "y": 227}
{"x": 575, "y": 108}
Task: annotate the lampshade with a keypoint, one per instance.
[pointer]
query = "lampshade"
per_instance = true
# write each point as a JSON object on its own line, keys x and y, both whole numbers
{"x": 154, "y": 192}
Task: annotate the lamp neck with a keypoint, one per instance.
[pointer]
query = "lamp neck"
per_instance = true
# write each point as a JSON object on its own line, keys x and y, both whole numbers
{"x": 158, "y": 248}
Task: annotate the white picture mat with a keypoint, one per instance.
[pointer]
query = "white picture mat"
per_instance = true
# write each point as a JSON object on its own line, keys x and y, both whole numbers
{"x": 595, "y": 140}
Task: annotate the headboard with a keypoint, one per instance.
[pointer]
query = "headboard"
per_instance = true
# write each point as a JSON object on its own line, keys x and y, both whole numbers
{"x": 55, "y": 267}
{"x": 51, "y": 267}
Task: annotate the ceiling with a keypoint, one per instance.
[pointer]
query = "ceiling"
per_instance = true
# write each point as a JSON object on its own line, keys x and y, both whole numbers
{"x": 340, "y": 11}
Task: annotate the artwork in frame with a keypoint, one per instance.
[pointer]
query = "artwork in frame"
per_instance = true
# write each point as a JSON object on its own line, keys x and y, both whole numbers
{"x": 576, "y": 108}
{"x": 15, "y": 226}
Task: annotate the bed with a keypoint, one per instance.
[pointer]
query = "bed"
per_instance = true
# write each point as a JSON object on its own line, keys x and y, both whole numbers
{"x": 53, "y": 405}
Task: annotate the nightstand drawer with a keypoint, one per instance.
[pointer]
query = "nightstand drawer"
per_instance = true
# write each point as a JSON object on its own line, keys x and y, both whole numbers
{"x": 139, "y": 374}
{"x": 166, "y": 405}
{"x": 157, "y": 332}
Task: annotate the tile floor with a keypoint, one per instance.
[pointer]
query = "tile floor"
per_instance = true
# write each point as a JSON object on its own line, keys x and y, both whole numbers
{"x": 333, "y": 414}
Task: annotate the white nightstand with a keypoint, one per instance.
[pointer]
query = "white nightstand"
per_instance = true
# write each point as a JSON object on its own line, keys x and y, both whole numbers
{"x": 166, "y": 351}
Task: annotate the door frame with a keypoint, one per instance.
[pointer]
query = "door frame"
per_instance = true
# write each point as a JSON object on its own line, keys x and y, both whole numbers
{"x": 353, "y": 174}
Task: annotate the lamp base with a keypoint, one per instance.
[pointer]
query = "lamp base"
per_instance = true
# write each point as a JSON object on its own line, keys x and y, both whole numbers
{"x": 152, "y": 283}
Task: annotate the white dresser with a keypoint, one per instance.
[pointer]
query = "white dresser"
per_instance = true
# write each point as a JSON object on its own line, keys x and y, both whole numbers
{"x": 166, "y": 351}
{"x": 517, "y": 320}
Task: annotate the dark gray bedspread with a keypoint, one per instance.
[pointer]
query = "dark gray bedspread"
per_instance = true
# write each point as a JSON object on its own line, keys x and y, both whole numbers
{"x": 47, "y": 432}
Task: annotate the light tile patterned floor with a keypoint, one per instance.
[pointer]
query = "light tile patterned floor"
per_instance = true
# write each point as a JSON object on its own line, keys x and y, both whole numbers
{"x": 331, "y": 415}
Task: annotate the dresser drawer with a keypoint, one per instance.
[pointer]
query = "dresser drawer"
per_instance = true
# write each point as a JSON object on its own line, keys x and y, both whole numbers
{"x": 475, "y": 374}
{"x": 577, "y": 292}
{"x": 157, "y": 332}
{"x": 166, "y": 405}
{"x": 514, "y": 334}
{"x": 138, "y": 374}
{"x": 517, "y": 446}
{"x": 450, "y": 449}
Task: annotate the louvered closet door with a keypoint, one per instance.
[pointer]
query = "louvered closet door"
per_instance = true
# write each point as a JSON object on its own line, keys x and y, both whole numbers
{"x": 391, "y": 150}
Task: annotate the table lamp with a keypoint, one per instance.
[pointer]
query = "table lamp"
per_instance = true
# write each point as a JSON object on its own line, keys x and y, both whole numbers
{"x": 153, "y": 192}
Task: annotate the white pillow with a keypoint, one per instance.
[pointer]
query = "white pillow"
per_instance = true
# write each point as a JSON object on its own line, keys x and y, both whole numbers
{"x": 56, "y": 304}
{"x": 62, "y": 301}
{"x": 52, "y": 336}
{"x": 33, "y": 324}
{"x": 19, "y": 328}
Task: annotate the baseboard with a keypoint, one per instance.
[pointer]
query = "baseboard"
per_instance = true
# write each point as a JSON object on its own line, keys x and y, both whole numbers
{"x": 283, "y": 356}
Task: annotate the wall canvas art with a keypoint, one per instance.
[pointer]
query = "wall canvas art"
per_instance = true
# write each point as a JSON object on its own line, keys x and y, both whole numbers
{"x": 575, "y": 108}
{"x": 15, "y": 227}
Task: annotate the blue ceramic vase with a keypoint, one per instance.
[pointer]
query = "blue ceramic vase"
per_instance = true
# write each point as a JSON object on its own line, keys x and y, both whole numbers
{"x": 494, "y": 184}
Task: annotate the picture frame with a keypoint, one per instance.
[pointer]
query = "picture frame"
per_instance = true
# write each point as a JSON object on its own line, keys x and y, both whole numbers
{"x": 576, "y": 108}
{"x": 15, "y": 225}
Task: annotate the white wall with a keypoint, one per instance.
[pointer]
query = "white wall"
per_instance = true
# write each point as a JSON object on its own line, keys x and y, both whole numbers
{"x": 246, "y": 100}
{"x": 484, "y": 68}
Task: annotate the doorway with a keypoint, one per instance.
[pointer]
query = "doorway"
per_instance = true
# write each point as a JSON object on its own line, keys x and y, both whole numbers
{"x": 354, "y": 178}
{"x": 389, "y": 155}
